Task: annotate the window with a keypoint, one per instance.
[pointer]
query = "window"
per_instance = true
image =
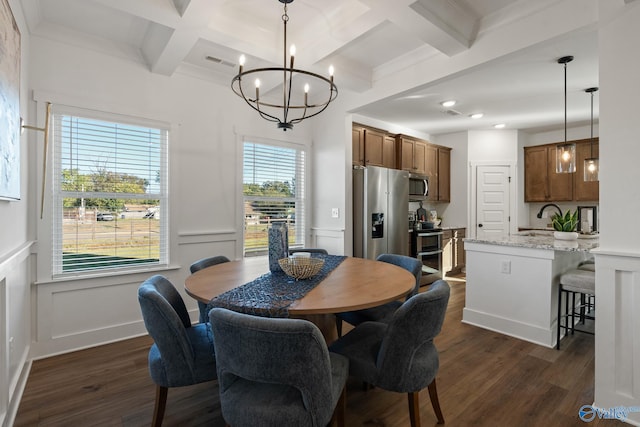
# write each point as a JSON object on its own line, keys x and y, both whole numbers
{"x": 274, "y": 191}
{"x": 109, "y": 191}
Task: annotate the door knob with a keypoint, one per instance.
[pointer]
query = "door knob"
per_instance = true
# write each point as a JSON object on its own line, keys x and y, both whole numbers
{"x": 480, "y": 225}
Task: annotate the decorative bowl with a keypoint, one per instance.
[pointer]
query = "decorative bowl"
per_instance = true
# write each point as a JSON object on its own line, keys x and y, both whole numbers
{"x": 301, "y": 268}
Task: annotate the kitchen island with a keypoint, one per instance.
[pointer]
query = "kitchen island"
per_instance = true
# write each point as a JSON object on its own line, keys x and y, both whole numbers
{"x": 512, "y": 282}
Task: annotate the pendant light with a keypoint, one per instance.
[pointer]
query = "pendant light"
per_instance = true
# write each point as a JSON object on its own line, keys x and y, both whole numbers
{"x": 591, "y": 164}
{"x": 565, "y": 153}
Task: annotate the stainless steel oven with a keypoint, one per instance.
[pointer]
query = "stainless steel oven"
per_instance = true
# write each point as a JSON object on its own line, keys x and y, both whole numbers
{"x": 427, "y": 248}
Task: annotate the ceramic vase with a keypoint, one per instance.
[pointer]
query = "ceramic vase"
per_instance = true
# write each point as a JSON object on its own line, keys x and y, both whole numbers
{"x": 565, "y": 235}
{"x": 278, "y": 245}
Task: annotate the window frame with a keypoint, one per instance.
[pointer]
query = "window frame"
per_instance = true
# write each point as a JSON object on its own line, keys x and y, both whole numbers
{"x": 57, "y": 195}
{"x": 302, "y": 227}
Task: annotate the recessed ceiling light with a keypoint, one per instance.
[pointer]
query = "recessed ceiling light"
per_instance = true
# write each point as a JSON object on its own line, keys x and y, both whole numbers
{"x": 476, "y": 115}
{"x": 450, "y": 103}
{"x": 499, "y": 126}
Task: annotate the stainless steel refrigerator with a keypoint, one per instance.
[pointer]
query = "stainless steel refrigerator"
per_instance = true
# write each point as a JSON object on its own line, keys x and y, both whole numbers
{"x": 380, "y": 211}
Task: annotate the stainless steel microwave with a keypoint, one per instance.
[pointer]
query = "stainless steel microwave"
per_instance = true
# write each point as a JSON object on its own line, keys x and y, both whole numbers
{"x": 418, "y": 187}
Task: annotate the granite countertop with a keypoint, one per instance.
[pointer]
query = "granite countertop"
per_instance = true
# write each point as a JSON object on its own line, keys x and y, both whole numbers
{"x": 540, "y": 240}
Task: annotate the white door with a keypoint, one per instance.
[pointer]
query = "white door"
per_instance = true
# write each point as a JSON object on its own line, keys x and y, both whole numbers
{"x": 492, "y": 201}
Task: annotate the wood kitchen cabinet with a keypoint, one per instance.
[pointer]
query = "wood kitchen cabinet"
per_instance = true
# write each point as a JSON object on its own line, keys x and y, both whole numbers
{"x": 541, "y": 182}
{"x": 447, "y": 251}
{"x": 460, "y": 257}
{"x": 411, "y": 154}
{"x": 357, "y": 145}
{"x": 453, "y": 254}
{"x": 438, "y": 169}
{"x": 373, "y": 147}
{"x": 585, "y": 190}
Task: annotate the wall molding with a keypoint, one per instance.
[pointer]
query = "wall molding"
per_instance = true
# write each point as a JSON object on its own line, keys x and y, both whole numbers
{"x": 617, "y": 379}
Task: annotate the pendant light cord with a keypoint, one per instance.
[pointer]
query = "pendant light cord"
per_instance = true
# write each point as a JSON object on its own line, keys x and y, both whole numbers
{"x": 565, "y": 102}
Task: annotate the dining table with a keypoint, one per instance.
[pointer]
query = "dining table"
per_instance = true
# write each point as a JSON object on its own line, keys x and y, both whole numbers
{"x": 354, "y": 284}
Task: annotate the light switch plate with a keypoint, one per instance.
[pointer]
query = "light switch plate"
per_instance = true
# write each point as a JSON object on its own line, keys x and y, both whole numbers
{"x": 335, "y": 213}
{"x": 505, "y": 267}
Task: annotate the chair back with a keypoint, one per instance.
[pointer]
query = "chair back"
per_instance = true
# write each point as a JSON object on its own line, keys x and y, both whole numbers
{"x": 207, "y": 262}
{"x": 407, "y": 359}
{"x": 166, "y": 319}
{"x": 310, "y": 250}
{"x": 410, "y": 264}
{"x": 289, "y": 352}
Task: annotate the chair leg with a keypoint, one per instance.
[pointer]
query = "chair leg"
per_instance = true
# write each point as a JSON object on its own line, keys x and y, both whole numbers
{"x": 161, "y": 403}
{"x": 339, "y": 326}
{"x": 414, "y": 408}
{"x": 433, "y": 394}
{"x": 340, "y": 409}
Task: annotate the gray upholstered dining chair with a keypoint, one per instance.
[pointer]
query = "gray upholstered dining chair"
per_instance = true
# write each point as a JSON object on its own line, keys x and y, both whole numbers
{"x": 310, "y": 250}
{"x": 400, "y": 355}
{"x": 383, "y": 312}
{"x": 277, "y": 371}
{"x": 182, "y": 354}
{"x": 199, "y": 265}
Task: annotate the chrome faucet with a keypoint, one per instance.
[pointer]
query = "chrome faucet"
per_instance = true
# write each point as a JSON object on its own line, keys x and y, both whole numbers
{"x": 548, "y": 205}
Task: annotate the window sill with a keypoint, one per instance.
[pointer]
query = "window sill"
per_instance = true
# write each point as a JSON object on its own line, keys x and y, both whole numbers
{"x": 67, "y": 277}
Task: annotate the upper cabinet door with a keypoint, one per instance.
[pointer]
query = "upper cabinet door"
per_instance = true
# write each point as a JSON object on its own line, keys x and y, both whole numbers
{"x": 560, "y": 184}
{"x": 444, "y": 175}
{"x": 373, "y": 143}
{"x": 357, "y": 145}
{"x": 536, "y": 185}
{"x": 585, "y": 190}
{"x": 420, "y": 157}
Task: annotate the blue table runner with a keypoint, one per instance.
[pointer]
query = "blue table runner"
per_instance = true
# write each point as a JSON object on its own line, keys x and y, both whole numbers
{"x": 271, "y": 294}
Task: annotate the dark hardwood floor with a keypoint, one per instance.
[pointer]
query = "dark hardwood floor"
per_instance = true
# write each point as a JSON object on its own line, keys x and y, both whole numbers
{"x": 485, "y": 379}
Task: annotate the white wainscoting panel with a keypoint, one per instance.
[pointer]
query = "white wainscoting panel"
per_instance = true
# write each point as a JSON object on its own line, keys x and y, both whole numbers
{"x": 617, "y": 377}
{"x": 331, "y": 239}
{"x": 15, "y": 329}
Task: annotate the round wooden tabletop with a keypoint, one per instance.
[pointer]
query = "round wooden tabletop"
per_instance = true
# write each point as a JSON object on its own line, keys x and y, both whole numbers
{"x": 355, "y": 284}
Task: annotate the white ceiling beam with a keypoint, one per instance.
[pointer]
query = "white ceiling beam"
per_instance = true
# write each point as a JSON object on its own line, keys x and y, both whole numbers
{"x": 195, "y": 17}
{"x": 437, "y": 23}
{"x": 164, "y": 13}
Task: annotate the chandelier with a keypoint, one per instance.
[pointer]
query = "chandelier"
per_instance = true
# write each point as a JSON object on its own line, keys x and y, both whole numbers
{"x": 304, "y": 94}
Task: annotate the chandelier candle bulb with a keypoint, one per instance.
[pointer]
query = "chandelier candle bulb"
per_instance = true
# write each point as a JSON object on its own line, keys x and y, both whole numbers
{"x": 241, "y": 62}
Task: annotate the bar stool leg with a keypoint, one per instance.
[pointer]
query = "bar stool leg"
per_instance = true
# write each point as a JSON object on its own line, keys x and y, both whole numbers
{"x": 573, "y": 311}
{"x": 559, "y": 316}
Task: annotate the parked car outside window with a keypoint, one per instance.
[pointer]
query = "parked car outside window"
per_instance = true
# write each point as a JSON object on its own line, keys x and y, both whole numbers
{"x": 106, "y": 216}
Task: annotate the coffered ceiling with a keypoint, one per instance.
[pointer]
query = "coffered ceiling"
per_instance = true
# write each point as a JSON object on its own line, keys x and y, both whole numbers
{"x": 365, "y": 40}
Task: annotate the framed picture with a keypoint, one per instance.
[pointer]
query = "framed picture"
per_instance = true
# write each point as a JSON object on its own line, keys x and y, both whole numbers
{"x": 9, "y": 104}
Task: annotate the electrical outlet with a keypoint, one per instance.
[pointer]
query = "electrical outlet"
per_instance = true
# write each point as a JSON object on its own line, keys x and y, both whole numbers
{"x": 335, "y": 213}
{"x": 505, "y": 267}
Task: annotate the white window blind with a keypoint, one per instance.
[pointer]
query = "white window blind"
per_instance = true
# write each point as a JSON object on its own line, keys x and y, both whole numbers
{"x": 110, "y": 191}
{"x": 274, "y": 190}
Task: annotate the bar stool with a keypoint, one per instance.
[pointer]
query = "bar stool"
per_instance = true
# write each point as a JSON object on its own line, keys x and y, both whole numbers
{"x": 581, "y": 282}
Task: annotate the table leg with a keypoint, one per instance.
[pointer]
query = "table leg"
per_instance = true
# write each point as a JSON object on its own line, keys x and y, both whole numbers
{"x": 325, "y": 322}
